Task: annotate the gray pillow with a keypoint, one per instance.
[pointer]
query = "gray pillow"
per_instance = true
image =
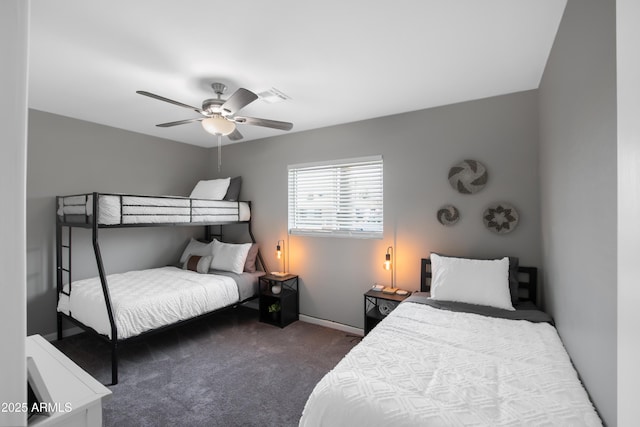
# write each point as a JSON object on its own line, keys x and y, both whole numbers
{"x": 233, "y": 192}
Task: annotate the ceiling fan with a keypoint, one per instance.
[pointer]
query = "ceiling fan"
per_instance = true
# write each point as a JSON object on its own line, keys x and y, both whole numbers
{"x": 219, "y": 115}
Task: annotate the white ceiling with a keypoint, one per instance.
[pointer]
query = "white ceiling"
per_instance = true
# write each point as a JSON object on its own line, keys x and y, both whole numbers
{"x": 339, "y": 61}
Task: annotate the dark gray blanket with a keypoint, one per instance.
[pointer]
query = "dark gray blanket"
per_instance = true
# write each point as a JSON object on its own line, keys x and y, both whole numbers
{"x": 523, "y": 311}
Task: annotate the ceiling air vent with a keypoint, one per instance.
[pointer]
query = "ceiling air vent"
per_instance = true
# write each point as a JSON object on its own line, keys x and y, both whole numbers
{"x": 273, "y": 96}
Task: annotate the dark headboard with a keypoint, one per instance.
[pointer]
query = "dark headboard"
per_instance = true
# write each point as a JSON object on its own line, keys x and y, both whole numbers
{"x": 527, "y": 276}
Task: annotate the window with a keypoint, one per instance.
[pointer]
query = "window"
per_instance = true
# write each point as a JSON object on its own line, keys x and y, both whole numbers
{"x": 340, "y": 198}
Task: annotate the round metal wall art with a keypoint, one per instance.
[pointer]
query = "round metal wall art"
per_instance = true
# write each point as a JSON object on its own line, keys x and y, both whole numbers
{"x": 468, "y": 176}
{"x": 448, "y": 215}
{"x": 501, "y": 218}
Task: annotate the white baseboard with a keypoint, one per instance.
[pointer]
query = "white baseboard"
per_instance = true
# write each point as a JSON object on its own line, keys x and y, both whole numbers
{"x": 332, "y": 325}
{"x": 53, "y": 336}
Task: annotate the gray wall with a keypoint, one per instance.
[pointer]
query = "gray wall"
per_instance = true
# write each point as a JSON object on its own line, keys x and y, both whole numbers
{"x": 418, "y": 149}
{"x": 628, "y": 68}
{"x": 14, "y": 36}
{"x": 578, "y": 193}
{"x": 69, "y": 156}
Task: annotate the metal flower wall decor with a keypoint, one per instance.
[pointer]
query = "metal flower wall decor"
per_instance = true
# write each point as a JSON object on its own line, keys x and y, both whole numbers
{"x": 501, "y": 218}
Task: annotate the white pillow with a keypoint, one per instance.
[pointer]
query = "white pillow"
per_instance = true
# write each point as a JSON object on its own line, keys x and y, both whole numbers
{"x": 197, "y": 263}
{"x": 472, "y": 281}
{"x": 214, "y": 189}
{"x": 196, "y": 247}
{"x": 229, "y": 256}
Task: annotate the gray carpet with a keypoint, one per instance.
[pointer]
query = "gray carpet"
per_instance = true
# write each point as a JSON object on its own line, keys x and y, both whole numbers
{"x": 227, "y": 370}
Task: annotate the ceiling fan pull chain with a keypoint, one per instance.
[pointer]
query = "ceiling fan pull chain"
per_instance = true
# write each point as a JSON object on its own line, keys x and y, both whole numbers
{"x": 219, "y": 151}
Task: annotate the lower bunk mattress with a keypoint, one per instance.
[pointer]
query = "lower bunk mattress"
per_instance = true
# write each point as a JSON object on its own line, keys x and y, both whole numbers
{"x": 148, "y": 299}
{"x": 425, "y": 366}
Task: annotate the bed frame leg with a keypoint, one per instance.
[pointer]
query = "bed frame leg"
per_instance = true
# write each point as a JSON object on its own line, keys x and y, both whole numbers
{"x": 59, "y": 322}
{"x": 114, "y": 363}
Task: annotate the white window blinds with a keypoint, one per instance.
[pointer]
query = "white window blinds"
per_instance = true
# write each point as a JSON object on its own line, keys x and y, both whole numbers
{"x": 338, "y": 198}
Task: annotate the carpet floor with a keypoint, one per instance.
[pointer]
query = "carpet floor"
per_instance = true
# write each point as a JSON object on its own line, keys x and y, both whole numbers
{"x": 226, "y": 370}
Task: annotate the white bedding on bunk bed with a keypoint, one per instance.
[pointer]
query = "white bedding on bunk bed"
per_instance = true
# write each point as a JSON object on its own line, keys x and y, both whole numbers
{"x": 147, "y": 299}
{"x": 423, "y": 366}
{"x": 130, "y": 209}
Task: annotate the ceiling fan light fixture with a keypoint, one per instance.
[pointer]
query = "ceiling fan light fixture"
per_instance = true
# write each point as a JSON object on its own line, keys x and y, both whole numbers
{"x": 218, "y": 125}
{"x": 218, "y": 116}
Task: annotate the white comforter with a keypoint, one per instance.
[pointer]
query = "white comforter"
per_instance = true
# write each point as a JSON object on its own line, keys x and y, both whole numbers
{"x": 428, "y": 367}
{"x": 147, "y": 299}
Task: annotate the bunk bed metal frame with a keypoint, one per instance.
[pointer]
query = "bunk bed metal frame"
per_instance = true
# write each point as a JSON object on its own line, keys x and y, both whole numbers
{"x": 92, "y": 222}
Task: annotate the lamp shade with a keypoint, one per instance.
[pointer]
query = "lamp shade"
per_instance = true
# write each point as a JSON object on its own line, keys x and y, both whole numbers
{"x": 218, "y": 125}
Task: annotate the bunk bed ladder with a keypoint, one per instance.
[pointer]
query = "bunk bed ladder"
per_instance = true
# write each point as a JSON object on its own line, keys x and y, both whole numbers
{"x": 61, "y": 269}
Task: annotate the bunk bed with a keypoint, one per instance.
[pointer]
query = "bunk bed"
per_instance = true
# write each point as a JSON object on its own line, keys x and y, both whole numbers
{"x": 434, "y": 362}
{"x": 172, "y": 295}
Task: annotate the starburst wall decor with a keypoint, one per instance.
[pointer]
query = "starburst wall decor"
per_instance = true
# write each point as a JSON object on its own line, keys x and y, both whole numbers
{"x": 501, "y": 218}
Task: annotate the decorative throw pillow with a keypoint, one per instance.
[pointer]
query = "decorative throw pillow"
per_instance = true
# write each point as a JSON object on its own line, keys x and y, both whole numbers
{"x": 472, "y": 281}
{"x": 197, "y": 263}
{"x": 214, "y": 189}
{"x": 229, "y": 256}
{"x": 233, "y": 192}
{"x": 196, "y": 247}
{"x": 250, "y": 262}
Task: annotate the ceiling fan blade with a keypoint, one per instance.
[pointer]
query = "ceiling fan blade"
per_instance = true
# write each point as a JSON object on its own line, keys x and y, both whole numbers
{"x": 240, "y": 99}
{"x": 170, "y": 101}
{"x": 235, "y": 135}
{"x": 264, "y": 122}
{"x": 180, "y": 122}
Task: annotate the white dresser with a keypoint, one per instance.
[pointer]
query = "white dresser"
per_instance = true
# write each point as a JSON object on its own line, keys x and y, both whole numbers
{"x": 76, "y": 397}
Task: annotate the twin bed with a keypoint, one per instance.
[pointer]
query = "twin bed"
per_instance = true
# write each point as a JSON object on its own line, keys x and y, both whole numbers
{"x": 120, "y": 307}
{"x": 450, "y": 363}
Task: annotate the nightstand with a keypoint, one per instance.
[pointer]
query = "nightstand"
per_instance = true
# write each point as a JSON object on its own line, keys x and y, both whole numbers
{"x": 377, "y": 305}
{"x": 287, "y": 300}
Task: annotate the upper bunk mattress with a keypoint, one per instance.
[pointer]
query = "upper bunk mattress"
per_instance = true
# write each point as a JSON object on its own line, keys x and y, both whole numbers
{"x": 119, "y": 209}
{"x": 422, "y": 366}
{"x": 147, "y": 299}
